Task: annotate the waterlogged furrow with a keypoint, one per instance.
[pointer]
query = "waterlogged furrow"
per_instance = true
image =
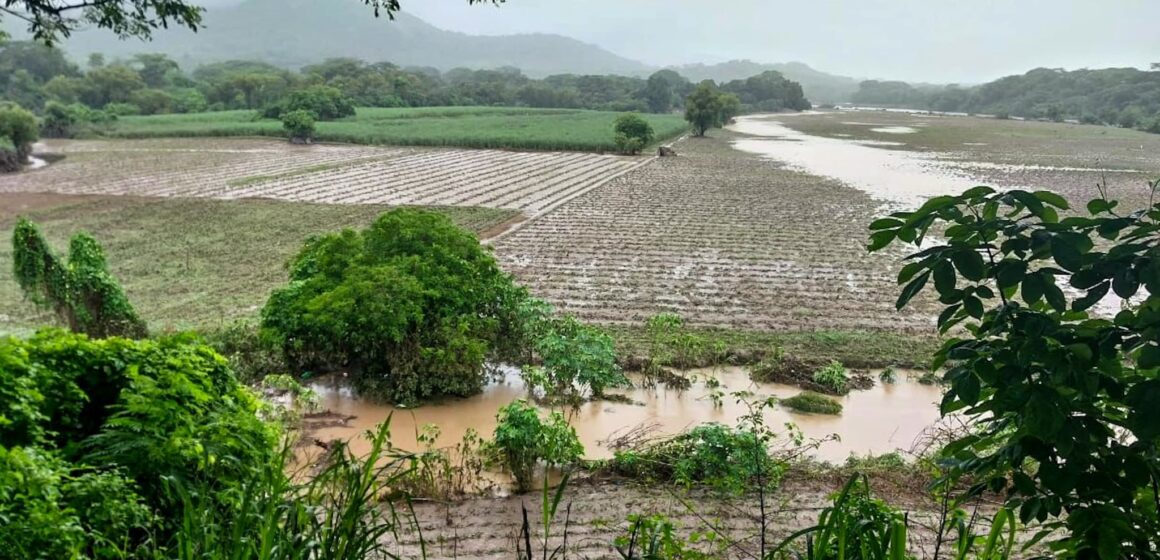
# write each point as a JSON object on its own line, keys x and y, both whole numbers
{"x": 725, "y": 238}
{"x": 247, "y": 168}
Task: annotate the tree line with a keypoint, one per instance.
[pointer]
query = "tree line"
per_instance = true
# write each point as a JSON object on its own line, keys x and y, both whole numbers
{"x": 1125, "y": 97}
{"x": 32, "y": 75}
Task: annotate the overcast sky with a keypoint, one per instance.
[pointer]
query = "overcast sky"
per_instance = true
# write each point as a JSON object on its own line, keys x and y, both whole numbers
{"x": 917, "y": 40}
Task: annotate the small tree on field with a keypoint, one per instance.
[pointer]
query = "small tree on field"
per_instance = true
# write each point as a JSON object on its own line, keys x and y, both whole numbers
{"x": 18, "y": 131}
{"x": 299, "y": 126}
{"x": 81, "y": 291}
{"x": 704, "y": 108}
{"x": 523, "y": 439}
{"x": 1066, "y": 404}
{"x": 59, "y": 120}
{"x": 632, "y": 133}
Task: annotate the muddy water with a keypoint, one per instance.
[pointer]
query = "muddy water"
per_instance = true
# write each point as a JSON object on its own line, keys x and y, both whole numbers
{"x": 902, "y": 178}
{"x": 883, "y": 419}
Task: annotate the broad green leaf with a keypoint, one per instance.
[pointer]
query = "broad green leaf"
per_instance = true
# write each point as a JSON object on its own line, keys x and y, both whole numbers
{"x": 970, "y": 264}
{"x": 1066, "y": 253}
{"x": 1052, "y": 199}
{"x": 911, "y": 290}
{"x": 944, "y": 277}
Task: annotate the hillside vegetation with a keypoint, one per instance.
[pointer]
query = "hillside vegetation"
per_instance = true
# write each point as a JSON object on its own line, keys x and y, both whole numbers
{"x": 1125, "y": 97}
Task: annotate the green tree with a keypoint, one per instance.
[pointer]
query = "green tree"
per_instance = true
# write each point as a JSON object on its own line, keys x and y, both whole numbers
{"x": 631, "y": 133}
{"x": 1066, "y": 405}
{"x": 703, "y": 108}
{"x": 412, "y": 306}
{"x": 154, "y": 69}
{"x": 299, "y": 126}
{"x": 326, "y": 102}
{"x": 81, "y": 291}
{"x": 18, "y": 131}
{"x": 59, "y": 120}
{"x": 663, "y": 90}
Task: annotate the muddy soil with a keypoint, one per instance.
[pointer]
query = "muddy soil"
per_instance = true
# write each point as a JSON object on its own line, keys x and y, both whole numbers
{"x": 597, "y": 511}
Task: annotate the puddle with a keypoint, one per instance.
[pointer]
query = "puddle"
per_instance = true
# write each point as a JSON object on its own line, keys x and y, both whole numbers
{"x": 904, "y": 178}
{"x": 35, "y": 163}
{"x": 883, "y": 419}
{"x": 879, "y": 143}
{"x": 895, "y": 130}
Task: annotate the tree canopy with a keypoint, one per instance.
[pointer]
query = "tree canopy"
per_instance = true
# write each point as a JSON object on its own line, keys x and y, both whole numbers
{"x": 51, "y": 20}
{"x": 413, "y": 306}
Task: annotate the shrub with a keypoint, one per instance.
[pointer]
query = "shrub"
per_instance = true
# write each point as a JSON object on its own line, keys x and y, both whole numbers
{"x": 632, "y": 133}
{"x": 49, "y": 513}
{"x": 714, "y": 454}
{"x": 857, "y": 525}
{"x": 833, "y": 378}
{"x": 888, "y": 375}
{"x": 573, "y": 356}
{"x": 1063, "y": 403}
{"x": 812, "y": 402}
{"x": 299, "y": 126}
{"x": 58, "y": 121}
{"x": 81, "y": 291}
{"x": 252, "y": 356}
{"x": 523, "y": 439}
{"x": 412, "y": 306}
{"x": 18, "y": 131}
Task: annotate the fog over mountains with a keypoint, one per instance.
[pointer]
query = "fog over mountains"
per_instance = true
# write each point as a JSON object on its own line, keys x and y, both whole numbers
{"x": 294, "y": 33}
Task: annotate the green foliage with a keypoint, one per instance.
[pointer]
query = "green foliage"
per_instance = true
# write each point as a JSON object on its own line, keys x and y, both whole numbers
{"x": 81, "y": 291}
{"x": 573, "y": 356}
{"x": 18, "y": 127}
{"x": 768, "y": 91}
{"x": 336, "y": 513}
{"x": 631, "y": 133}
{"x": 58, "y": 121}
{"x": 833, "y": 378}
{"x": 856, "y": 527}
{"x": 720, "y": 456}
{"x": 49, "y": 512}
{"x": 704, "y": 108}
{"x": 672, "y": 344}
{"x": 812, "y": 402}
{"x": 522, "y": 440}
{"x": 118, "y": 109}
{"x": 1065, "y": 403}
{"x": 50, "y": 21}
{"x": 252, "y": 357}
{"x": 412, "y": 305}
{"x": 299, "y": 125}
{"x": 652, "y": 537}
{"x": 888, "y": 375}
{"x": 325, "y": 102}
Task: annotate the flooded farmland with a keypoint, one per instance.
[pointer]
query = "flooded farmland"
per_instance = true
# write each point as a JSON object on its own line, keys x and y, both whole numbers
{"x": 886, "y": 418}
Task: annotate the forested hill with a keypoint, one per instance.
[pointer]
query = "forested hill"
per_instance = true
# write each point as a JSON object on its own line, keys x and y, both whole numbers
{"x": 295, "y": 33}
{"x": 819, "y": 86}
{"x": 1126, "y": 97}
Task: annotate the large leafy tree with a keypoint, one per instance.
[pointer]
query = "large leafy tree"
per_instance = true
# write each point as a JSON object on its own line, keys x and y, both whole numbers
{"x": 1066, "y": 404}
{"x": 412, "y": 306}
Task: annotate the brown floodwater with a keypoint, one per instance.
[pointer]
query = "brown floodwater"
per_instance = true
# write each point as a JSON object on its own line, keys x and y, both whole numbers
{"x": 888, "y": 417}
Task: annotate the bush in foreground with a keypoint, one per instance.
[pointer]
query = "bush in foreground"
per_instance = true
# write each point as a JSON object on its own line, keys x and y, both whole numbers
{"x": 812, "y": 402}
{"x": 523, "y": 440}
{"x": 412, "y": 306}
{"x": 299, "y": 126}
{"x": 833, "y": 378}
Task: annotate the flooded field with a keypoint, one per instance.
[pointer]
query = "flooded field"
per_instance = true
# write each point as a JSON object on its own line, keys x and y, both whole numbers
{"x": 1063, "y": 157}
{"x": 888, "y": 417}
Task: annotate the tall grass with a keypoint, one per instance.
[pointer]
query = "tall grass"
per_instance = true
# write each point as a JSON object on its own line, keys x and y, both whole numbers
{"x": 332, "y": 514}
{"x": 468, "y": 127}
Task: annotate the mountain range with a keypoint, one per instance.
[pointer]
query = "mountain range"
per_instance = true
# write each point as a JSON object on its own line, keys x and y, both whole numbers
{"x": 294, "y": 33}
